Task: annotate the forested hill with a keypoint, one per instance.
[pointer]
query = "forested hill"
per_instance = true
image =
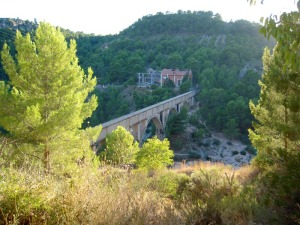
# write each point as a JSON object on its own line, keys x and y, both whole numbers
{"x": 225, "y": 58}
{"x": 190, "y": 23}
{"x": 181, "y": 40}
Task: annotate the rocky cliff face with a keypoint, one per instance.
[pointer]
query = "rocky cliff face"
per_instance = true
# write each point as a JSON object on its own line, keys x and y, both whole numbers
{"x": 17, "y": 24}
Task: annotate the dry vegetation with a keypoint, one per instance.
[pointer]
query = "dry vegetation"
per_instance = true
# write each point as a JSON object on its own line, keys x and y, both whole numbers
{"x": 203, "y": 194}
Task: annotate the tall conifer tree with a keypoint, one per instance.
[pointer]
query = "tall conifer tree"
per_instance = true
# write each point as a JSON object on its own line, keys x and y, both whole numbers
{"x": 47, "y": 97}
{"x": 277, "y": 131}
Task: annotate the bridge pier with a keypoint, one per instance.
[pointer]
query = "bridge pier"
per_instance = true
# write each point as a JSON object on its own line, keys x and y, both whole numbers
{"x": 138, "y": 130}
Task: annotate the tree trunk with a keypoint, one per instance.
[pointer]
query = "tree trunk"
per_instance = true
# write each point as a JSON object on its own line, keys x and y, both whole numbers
{"x": 47, "y": 159}
{"x": 286, "y": 124}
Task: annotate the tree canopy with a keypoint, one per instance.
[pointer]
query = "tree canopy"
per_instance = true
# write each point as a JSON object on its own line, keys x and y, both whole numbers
{"x": 47, "y": 96}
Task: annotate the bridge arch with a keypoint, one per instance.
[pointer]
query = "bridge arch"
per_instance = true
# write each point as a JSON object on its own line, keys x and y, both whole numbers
{"x": 172, "y": 111}
{"x": 159, "y": 127}
{"x": 156, "y": 122}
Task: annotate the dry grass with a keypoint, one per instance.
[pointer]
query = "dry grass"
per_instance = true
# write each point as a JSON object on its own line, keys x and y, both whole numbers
{"x": 206, "y": 193}
{"x": 244, "y": 174}
{"x": 112, "y": 196}
{"x": 247, "y": 174}
{"x": 203, "y": 165}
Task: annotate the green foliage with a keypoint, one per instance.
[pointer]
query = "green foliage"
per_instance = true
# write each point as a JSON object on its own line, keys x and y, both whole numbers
{"x": 250, "y": 149}
{"x": 235, "y": 152}
{"x": 177, "y": 122}
{"x": 226, "y": 108}
{"x": 276, "y": 134}
{"x": 146, "y": 98}
{"x": 6, "y": 151}
{"x": 175, "y": 61}
{"x": 8, "y": 32}
{"x": 243, "y": 152}
{"x": 111, "y": 105}
{"x": 155, "y": 155}
{"x": 194, "y": 120}
{"x": 120, "y": 147}
{"x": 195, "y": 154}
{"x": 185, "y": 86}
{"x": 199, "y": 134}
{"x": 170, "y": 184}
{"x": 285, "y": 29}
{"x": 45, "y": 102}
{"x": 189, "y": 40}
{"x": 214, "y": 50}
{"x": 216, "y": 141}
{"x": 168, "y": 83}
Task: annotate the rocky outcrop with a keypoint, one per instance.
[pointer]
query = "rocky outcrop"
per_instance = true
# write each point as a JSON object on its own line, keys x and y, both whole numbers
{"x": 214, "y": 147}
{"x": 17, "y": 24}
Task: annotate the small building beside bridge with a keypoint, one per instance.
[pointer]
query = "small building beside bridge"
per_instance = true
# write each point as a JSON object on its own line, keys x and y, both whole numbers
{"x": 159, "y": 77}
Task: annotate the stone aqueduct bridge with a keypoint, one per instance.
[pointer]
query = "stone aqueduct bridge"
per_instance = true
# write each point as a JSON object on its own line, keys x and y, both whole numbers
{"x": 137, "y": 122}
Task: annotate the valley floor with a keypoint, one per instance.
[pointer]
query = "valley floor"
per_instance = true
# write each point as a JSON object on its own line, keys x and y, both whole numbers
{"x": 215, "y": 148}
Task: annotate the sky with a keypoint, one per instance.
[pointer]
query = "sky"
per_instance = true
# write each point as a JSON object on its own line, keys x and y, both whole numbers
{"x": 103, "y": 17}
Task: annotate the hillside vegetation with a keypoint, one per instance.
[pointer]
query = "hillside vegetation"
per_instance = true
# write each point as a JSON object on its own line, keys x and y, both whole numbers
{"x": 49, "y": 173}
{"x": 225, "y": 59}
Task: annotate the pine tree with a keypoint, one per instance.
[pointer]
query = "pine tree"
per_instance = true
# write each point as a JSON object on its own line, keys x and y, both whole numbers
{"x": 277, "y": 131}
{"x": 276, "y": 135}
{"x": 47, "y": 97}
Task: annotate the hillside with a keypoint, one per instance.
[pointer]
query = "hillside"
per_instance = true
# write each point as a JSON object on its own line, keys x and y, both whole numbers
{"x": 225, "y": 59}
{"x": 51, "y": 174}
{"x": 162, "y": 40}
{"x": 173, "y": 40}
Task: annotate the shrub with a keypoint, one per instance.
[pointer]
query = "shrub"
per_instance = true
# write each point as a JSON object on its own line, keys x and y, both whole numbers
{"x": 199, "y": 134}
{"x": 235, "y": 152}
{"x": 250, "y": 149}
{"x": 155, "y": 154}
{"x": 229, "y": 143}
{"x": 206, "y": 144}
{"x": 194, "y": 120}
{"x": 243, "y": 153}
{"x": 205, "y": 193}
{"x": 216, "y": 142}
{"x": 170, "y": 184}
{"x": 215, "y": 196}
{"x": 120, "y": 147}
